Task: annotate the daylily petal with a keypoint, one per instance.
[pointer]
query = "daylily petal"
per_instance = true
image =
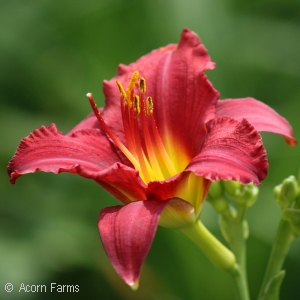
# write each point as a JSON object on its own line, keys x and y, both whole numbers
{"x": 258, "y": 114}
{"x": 166, "y": 189}
{"x": 232, "y": 150}
{"x": 87, "y": 153}
{"x": 183, "y": 97}
{"x": 127, "y": 233}
{"x": 119, "y": 180}
{"x": 46, "y": 149}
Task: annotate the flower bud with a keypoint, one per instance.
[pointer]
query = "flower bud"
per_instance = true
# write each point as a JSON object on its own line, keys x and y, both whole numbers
{"x": 215, "y": 190}
{"x": 231, "y": 187}
{"x": 287, "y": 192}
{"x": 242, "y": 194}
{"x": 220, "y": 204}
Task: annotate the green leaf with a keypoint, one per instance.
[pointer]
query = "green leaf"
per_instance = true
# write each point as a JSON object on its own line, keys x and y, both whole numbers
{"x": 273, "y": 287}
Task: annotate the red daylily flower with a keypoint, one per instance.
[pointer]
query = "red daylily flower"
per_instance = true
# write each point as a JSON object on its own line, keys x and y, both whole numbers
{"x": 156, "y": 146}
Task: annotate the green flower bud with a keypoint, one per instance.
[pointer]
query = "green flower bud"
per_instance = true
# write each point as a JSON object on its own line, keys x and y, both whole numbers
{"x": 215, "y": 190}
{"x": 231, "y": 187}
{"x": 220, "y": 204}
{"x": 242, "y": 194}
{"x": 287, "y": 192}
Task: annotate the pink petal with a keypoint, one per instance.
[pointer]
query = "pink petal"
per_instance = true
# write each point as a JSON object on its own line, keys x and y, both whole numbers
{"x": 127, "y": 233}
{"x": 119, "y": 180}
{"x": 87, "y": 153}
{"x": 183, "y": 97}
{"x": 167, "y": 188}
{"x": 260, "y": 115}
{"x": 232, "y": 150}
{"x": 48, "y": 150}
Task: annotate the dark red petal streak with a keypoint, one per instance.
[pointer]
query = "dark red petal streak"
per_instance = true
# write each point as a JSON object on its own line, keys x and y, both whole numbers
{"x": 258, "y": 114}
{"x": 232, "y": 150}
{"x": 183, "y": 98}
{"x": 127, "y": 233}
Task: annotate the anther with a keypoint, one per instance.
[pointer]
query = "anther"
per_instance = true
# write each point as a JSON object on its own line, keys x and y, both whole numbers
{"x": 133, "y": 80}
{"x": 136, "y": 104}
{"x": 149, "y": 106}
{"x": 121, "y": 89}
{"x": 143, "y": 85}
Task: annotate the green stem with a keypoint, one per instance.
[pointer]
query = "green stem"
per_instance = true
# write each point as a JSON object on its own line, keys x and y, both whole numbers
{"x": 237, "y": 242}
{"x": 283, "y": 240}
{"x": 219, "y": 255}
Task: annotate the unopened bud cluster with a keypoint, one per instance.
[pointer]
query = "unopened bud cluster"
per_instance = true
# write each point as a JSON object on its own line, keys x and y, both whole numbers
{"x": 241, "y": 194}
{"x": 244, "y": 195}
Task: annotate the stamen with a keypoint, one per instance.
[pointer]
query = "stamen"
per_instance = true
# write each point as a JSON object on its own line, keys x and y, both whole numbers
{"x": 154, "y": 165}
{"x": 145, "y": 149}
{"x": 126, "y": 124}
{"x": 130, "y": 89}
{"x": 133, "y": 80}
{"x": 140, "y": 154}
{"x": 136, "y": 104}
{"x": 114, "y": 138}
{"x": 149, "y": 106}
{"x": 159, "y": 143}
{"x": 143, "y": 85}
{"x": 121, "y": 89}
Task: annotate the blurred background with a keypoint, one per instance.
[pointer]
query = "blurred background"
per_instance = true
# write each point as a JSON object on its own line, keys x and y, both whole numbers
{"x": 52, "y": 53}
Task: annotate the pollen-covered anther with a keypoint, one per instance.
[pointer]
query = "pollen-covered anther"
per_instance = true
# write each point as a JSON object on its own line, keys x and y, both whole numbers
{"x": 142, "y": 85}
{"x": 136, "y": 104}
{"x": 121, "y": 89}
{"x": 133, "y": 80}
{"x": 149, "y": 106}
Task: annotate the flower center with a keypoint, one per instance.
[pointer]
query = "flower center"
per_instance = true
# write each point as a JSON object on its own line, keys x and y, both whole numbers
{"x": 145, "y": 149}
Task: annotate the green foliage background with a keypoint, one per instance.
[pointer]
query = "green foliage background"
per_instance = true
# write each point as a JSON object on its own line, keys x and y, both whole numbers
{"x": 52, "y": 53}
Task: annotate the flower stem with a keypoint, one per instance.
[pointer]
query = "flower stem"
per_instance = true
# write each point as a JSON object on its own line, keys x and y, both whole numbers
{"x": 283, "y": 240}
{"x": 219, "y": 255}
{"x": 237, "y": 242}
